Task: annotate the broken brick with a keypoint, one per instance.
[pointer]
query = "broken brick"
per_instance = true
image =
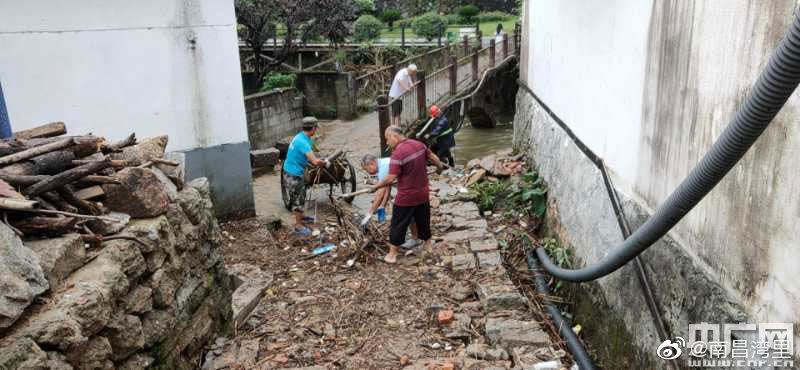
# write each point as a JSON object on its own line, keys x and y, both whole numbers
{"x": 444, "y": 317}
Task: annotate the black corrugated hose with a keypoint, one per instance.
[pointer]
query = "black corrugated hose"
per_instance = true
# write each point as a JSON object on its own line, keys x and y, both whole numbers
{"x": 574, "y": 345}
{"x": 771, "y": 91}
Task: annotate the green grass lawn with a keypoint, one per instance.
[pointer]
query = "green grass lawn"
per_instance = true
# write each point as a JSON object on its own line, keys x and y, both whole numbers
{"x": 487, "y": 29}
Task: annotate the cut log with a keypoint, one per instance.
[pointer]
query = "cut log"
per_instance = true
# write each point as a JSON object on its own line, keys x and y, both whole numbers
{"x": 47, "y": 164}
{"x": 83, "y": 205}
{"x": 43, "y": 204}
{"x": 48, "y": 130}
{"x": 117, "y": 146}
{"x": 60, "y": 203}
{"x": 22, "y": 180}
{"x": 66, "y": 177}
{"x": 87, "y": 145}
{"x": 49, "y": 226}
{"x": 36, "y": 151}
{"x": 28, "y": 180}
{"x": 89, "y": 193}
{"x": 17, "y": 204}
{"x": 114, "y": 163}
{"x": 8, "y": 147}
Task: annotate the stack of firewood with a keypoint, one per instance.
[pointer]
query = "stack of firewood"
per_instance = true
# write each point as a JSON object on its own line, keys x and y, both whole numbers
{"x": 51, "y": 184}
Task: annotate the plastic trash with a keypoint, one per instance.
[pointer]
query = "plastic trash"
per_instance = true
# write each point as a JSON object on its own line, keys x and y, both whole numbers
{"x": 323, "y": 249}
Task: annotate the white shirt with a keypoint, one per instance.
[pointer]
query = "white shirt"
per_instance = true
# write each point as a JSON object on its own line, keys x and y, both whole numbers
{"x": 397, "y": 89}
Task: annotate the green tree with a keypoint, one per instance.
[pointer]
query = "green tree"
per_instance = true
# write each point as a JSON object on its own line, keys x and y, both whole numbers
{"x": 429, "y": 25}
{"x": 365, "y": 6}
{"x": 296, "y": 21}
{"x": 468, "y": 12}
{"x": 367, "y": 28}
{"x": 390, "y": 16}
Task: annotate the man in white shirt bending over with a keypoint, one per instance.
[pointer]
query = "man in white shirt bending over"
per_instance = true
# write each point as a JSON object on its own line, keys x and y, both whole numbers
{"x": 402, "y": 83}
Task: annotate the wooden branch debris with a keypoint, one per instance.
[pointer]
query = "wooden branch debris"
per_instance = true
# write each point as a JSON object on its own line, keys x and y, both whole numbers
{"x": 51, "y": 184}
{"x": 48, "y": 130}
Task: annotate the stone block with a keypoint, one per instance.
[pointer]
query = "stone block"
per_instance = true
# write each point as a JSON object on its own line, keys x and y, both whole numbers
{"x": 21, "y": 277}
{"x": 124, "y": 333}
{"x": 482, "y": 351}
{"x": 104, "y": 227}
{"x": 139, "y": 300}
{"x": 144, "y": 151}
{"x": 139, "y": 194}
{"x": 57, "y": 361}
{"x": 94, "y": 354}
{"x": 246, "y": 297}
{"x": 463, "y": 262}
{"x": 459, "y": 329}
{"x": 513, "y": 333}
{"x": 490, "y": 259}
{"x": 464, "y": 236}
{"x": 59, "y": 257}
{"x": 88, "y": 303}
{"x": 55, "y": 329}
{"x": 156, "y": 325}
{"x": 483, "y": 245}
{"x": 501, "y": 297}
{"x": 23, "y": 353}
{"x": 264, "y": 158}
{"x": 170, "y": 188}
{"x": 137, "y": 362}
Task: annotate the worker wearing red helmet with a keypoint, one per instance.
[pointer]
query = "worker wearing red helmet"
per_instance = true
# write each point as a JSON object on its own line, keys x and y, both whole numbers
{"x": 442, "y": 136}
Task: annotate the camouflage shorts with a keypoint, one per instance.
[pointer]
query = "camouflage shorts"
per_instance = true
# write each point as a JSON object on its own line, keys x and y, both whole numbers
{"x": 296, "y": 187}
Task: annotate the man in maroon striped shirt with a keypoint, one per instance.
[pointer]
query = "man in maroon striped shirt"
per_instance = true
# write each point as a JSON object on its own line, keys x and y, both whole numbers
{"x": 409, "y": 165}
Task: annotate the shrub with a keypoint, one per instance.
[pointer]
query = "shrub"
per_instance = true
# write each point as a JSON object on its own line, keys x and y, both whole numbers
{"x": 455, "y": 19}
{"x": 392, "y": 54}
{"x": 468, "y": 11}
{"x": 390, "y": 16}
{"x": 274, "y": 80}
{"x": 429, "y": 25}
{"x": 367, "y": 28}
{"x": 365, "y": 6}
{"x": 494, "y": 16}
{"x": 362, "y": 55}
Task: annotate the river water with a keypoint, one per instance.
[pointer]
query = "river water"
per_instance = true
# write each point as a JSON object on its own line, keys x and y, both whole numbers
{"x": 479, "y": 142}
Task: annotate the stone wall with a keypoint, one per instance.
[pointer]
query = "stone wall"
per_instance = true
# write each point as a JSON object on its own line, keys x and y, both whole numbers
{"x": 328, "y": 94}
{"x": 272, "y": 116}
{"x": 123, "y": 305}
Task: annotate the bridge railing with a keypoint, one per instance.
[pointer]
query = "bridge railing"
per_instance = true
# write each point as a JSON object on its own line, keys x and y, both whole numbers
{"x": 464, "y": 67}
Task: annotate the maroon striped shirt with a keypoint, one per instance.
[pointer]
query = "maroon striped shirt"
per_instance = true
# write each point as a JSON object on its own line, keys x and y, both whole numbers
{"x": 409, "y": 162}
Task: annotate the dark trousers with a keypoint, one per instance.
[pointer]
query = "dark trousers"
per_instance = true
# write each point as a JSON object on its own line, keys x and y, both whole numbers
{"x": 402, "y": 216}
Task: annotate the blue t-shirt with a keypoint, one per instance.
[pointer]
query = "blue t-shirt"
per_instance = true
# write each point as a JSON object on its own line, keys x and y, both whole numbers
{"x": 296, "y": 160}
{"x": 383, "y": 168}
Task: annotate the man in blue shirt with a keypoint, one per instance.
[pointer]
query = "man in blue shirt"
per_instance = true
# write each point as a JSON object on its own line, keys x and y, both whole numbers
{"x": 298, "y": 157}
{"x": 372, "y": 165}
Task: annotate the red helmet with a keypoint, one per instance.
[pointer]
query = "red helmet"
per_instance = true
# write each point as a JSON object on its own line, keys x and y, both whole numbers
{"x": 435, "y": 111}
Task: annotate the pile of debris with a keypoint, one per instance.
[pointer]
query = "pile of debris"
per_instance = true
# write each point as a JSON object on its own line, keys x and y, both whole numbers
{"x": 52, "y": 184}
{"x": 502, "y": 164}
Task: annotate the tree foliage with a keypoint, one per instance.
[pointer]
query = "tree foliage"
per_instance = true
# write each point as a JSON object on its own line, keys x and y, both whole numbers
{"x": 429, "y": 25}
{"x": 390, "y": 16}
{"x": 295, "y": 21}
{"x": 365, "y": 6}
{"x": 468, "y": 11}
{"x": 367, "y": 28}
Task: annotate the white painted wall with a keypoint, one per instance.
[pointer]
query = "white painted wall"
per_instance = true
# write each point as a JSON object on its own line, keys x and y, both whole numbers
{"x": 649, "y": 87}
{"x": 110, "y": 67}
{"x": 586, "y": 61}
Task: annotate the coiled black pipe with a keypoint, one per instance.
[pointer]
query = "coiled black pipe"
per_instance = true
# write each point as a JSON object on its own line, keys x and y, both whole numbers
{"x": 770, "y": 92}
{"x": 574, "y": 345}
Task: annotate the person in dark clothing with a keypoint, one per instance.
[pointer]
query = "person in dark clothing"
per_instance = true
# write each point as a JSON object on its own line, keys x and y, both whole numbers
{"x": 442, "y": 135}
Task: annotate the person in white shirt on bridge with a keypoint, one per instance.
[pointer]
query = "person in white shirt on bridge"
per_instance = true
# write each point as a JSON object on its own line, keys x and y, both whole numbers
{"x": 403, "y": 82}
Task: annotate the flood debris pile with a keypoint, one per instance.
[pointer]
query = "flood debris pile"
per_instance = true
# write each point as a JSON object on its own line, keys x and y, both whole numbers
{"x": 455, "y": 308}
{"x": 107, "y": 259}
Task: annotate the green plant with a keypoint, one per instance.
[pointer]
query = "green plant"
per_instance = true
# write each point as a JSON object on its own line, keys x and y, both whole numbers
{"x": 468, "y": 12}
{"x": 429, "y": 25}
{"x": 455, "y": 19}
{"x": 274, "y": 80}
{"x": 493, "y": 16}
{"x": 367, "y": 28}
{"x": 488, "y": 193}
{"x": 560, "y": 255}
{"x": 390, "y": 16}
{"x": 362, "y": 55}
{"x": 392, "y": 54}
{"x": 529, "y": 195}
{"x": 364, "y": 6}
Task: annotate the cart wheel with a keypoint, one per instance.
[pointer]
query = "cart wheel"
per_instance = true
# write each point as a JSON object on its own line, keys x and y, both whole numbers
{"x": 285, "y": 193}
{"x": 348, "y": 177}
